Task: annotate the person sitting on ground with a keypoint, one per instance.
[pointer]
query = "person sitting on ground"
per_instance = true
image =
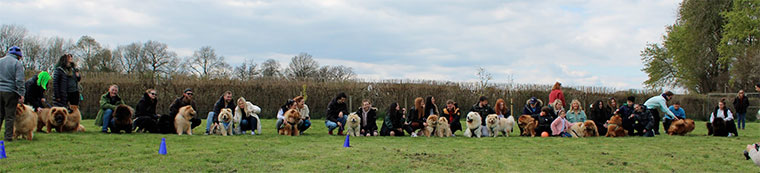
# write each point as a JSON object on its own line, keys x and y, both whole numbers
{"x": 625, "y": 112}
{"x": 533, "y": 107}
{"x": 290, "y": 104}
{"x": 452, "y": 113}
{"x": 722, "y": 112}
{"x": 145, "y": 111}
{"x": 368, "y": 115}
{"x": 576, "y": 113}
{"x": 544, "y": 121}
{"x": 560, "y": 126}
{"x": 337, "y": 113}
{"x": 394, "y": 123}
{"x": 643, "y": 121}
{"x": 108, "y": 103}
{"x": 225, "y": 101}
{"x": 556, "y": 108}
{"x": 248, "y": 113}
{"x": 303, "y": 109}
{"x": 600, "y": 114}
{"x": 678, "y": 111}
{"x": 35, "y": 91}
{"x": 166, "y": 123}
{"x": 417, "y": 117}
{"x": 484, "y": 110}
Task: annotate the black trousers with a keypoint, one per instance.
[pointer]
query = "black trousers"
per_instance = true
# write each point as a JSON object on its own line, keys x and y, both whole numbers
{"x": 8, "y": 103}
{"x": 666, "y": 124}
{"x": 656, "y": 115}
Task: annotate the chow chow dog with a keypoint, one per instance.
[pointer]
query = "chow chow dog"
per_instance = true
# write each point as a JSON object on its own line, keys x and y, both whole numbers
{"x": 496, "y": 125}
{"x": 473, "y": 125}
{"x": 681, "y": 127}
{"x": 182, "y": 120}
{"x": 443, "y": 129}
{"x": 122, "y": 119}
{"x": 73, "y": 119}
{"x": 224, "y": 127}
{"x": 528, "y": 125}
{"x": 290, "y": 124}
{"x": 353, "y": 124}
{"x": 25, "y": 122}
{"x": 432, "y": 123}
{"x": 615, "y": 127}
{"x": 54, "y": 118}
{"x": 584, "y": 129}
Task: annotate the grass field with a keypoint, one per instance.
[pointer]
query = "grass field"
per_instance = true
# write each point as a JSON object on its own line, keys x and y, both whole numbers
{"x": 318, "y": 152}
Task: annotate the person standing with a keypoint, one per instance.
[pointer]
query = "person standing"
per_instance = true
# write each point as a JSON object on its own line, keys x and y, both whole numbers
{"x": 108, "y": 103}
{"x": 35, "y": 91}
{"x": 657, "y": 105}
{"x": 225, "y": 101}
{"x": 556, "y": 93}
{"x": 337, "y": 111}
{"x": 66, "y": 82}
{"x": 741, "y": 103}
{"x": 12, "y": 88}
{"x": 484, "y": 110}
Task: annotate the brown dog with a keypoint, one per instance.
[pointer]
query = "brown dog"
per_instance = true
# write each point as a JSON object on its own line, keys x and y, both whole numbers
{"x": 615, "y": 127}
{"x": 122, "y": 119}
{"x": 432, "y": 122}
{"x": 72, "y": 120}
{"x": 528, "y": 124}
{"x": 42, "y": 117}
{"x": 26, "y": 121}
{"x": 290, "y": 124}
{"x": 182, "y": 120}
{"x": 584, "y": 129}
{"x": 681, "y": 127}
{"x": 443, "y": 129}
{"x": 55, "y": 118}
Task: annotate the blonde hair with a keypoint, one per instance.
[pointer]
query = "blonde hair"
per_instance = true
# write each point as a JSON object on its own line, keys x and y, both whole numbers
{"x": 580, "y": 106}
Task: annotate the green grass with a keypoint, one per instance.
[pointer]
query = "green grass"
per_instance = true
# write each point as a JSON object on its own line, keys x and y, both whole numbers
{"x": 318, "y": 152}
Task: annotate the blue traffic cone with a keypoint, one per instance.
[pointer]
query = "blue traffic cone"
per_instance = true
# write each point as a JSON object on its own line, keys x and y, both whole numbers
{"x": 162, "y": 148}
{"x": 2, "y": 150}
{"x": 346, "y": 143}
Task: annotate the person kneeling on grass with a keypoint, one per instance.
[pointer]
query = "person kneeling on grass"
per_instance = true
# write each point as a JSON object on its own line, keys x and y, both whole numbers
{"x": 643, "y": 121}
{"x": 452, "y": 113}
{"x": 166, "y": 123}
{"x": 544, "y": 121}
{"x": 394, "y": 123}
{"x": 368, "y": 115}
{"x": 249, "y": 118}
{"x": 336, "y": 114}
{"x": 225, "y": 101}
{"x": 560, "y": 126}
{"x": 303, "y": 109}
{"x": 290, "y": 104}
{"x": 108, "y": 103}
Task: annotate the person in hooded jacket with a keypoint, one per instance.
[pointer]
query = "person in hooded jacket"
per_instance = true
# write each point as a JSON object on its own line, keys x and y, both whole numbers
{"x": 35, "y": 91}
{"x": 145, "y": 112}
{"x": 600, "y": 114}
{"x": 452, "y": 113}
{"x": 166, "y": 123}
{"x": 643, "y": 121}
{"x": 544, "y": 121}
{"x": 337, "y": 113}
{"x": 66, "y": 82}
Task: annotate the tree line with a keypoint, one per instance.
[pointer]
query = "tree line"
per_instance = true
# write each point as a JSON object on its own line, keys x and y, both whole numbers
{"x": 712, "y": 47}
{"x": 153, "y": 59}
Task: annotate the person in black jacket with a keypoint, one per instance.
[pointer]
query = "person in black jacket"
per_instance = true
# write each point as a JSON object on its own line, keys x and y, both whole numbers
{"x": 394, "y": 123}
{"x": 484, "y": 110}
{"x": 145, "y": 113}
{"x": 336, "y": 114}
{"x": 452, "y": 113}
{"x": 225, "y": 101}
{"x": 166, "y": 123}
{"x": 430, "y": 107}
{"x": 416, "y": 116}
{"x": 545, "y": 121}
{"x": 600, "y": 114}
{"x": 741, "y": 103}
{"x": 35, "y": 91}
{"x": 66, "y": 82}
{"x": 644, "y": 121}
{"x": 368, "y": 116}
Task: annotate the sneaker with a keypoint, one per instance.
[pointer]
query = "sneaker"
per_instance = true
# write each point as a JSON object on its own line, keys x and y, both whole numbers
{"x": 414, "y": 134}
{"x": 253, "y": 133}
{"x": 206, "y": 133}
{"x": 340, "y": 133}
{"x": 730, "y": 134}
{"x": 330, "y": 133}
{"x": 452, "y": 135}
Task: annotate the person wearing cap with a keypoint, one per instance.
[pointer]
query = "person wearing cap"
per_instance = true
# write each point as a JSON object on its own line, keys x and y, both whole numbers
{"x": 12, "y": 89}
{"x": 557, "y": 94}
{"x": 533, "y": 107}
{"x": 484, "y": 110}
{"x": 225, "y": 101}
{"x": 658, "y": 104}
{"x": 35, "y": 91}
{"x": 166, "y": 123}
{"x": 625, "y": 112}
{"x": 66, "y": 82}
{"x": 108, "y": 103}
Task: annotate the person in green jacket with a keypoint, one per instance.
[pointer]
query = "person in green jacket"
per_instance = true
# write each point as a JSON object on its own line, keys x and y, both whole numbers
{"x": 108, "y": 103}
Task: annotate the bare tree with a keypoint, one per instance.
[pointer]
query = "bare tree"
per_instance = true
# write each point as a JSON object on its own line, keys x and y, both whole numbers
{"x": 33, "y": 53}
{"x": 159, "y": 60}
{"x": 55, "y": 48}
{"x": 483, "y": 78}
{"x": 247, "y": 70}
{"x": 131, "y": 57}
{"x": 302, "y": 66}
{"x": 335, "y": 73}
{"x": 11, "y": 35}
{"x": 106, "y": 62}
{"x": 206, "y": 64}
{"x": 270, "y": 68}
{"x": 87, "y": 49}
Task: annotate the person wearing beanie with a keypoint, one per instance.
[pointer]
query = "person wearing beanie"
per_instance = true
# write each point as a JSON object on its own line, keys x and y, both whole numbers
{"x": 35, "y": 91}
{"x": 12, "y": 89}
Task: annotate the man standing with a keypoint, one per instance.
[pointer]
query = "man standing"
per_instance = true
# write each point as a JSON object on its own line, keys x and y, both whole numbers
{"x": 658, "y": 104}
{"x": 11, "y": 88}
{"x": 740, "y": 104}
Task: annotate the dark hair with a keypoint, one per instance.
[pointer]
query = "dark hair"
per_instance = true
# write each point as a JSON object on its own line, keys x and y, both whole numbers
{"x": 632, "y": 98}
{"x": 757, "y": 85}
{"x": 668, "y": 93}
{"x": 483, "y": 98}
{"x": 227, "y": 92}
{"x": 546, "y": 110}
{"x": 677, "y": 103}
{"x": 392, "y": 109}
{"x": 287, "y": 105}
{"x": 430, "y": 105}
{"x": 63, "y": 60}
{"x": 340, "y": 96}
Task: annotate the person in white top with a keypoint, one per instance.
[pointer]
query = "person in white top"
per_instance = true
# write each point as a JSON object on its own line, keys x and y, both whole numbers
{"x": 659, "y": 104}
{"x": 723, "y": 113}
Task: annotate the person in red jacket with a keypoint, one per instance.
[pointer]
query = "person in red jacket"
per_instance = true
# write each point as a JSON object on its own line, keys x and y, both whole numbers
{"x": 557, "y": 94}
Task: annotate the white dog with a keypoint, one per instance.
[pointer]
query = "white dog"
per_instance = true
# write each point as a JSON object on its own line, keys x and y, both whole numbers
{"x": 494, "y": 125}
{"x": 353, "y": 124}
{"x": 473, "y": 125}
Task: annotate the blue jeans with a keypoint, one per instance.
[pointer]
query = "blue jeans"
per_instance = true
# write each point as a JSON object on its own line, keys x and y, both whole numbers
{"x": 740, "y": 121}
{"x": 332, "y": 125}
{"x": 106, "y": 119}
{"x": 305, "y": 124}
{"x": 209, "y": 120}
{"x": 565, "y": 134}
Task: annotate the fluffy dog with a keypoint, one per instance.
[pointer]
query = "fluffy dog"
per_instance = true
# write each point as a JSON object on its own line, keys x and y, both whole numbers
{"x": 443, "y": 129}
{"x": 353, "y": 124}
{"x": 55, "y": 117}
{"x": 494, "y": 124}
{"x": 615, "y": 127}
{"x": 72, "y": 120}
{"x": 583, "y": 129}
{"x": 225, "y": 122}
{"x": 218, "y": 129}
{"x": 473, "y": 125}
{"x": 290, "y": 126}
{"x": 182, "y": 120}
{"x": 528, "y": 125}
{"x": 122, "y": 119}
{"x": 717, "y": 128}
{"x": 432, "y": 123}
{"x": 26, "y": 121}
{"x": 681, "y": 127}
{"x": 42, "y": 118}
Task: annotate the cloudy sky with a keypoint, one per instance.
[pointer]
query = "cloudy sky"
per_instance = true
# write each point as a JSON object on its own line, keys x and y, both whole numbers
{"x": 577, "y": 42}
